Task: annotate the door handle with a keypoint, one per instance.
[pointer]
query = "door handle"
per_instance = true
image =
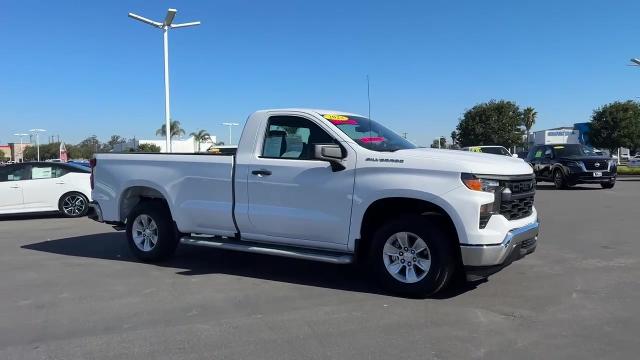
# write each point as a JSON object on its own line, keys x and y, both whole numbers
{"x": 60, "y": 182}
{"x": 14, "y": 187}
{"x": 261, "y": 172}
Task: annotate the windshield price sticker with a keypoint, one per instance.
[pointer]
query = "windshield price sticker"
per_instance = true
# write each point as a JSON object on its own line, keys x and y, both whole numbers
{"x": 335, "y": 117}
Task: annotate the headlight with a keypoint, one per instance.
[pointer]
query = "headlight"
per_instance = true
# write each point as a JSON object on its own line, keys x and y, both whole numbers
{"x": 479, "y": 184}
{"x": 573, "y": 163}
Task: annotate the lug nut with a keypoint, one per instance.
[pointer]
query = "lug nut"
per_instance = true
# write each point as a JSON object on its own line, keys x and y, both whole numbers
{"x": 409, "y": 264}
{"x": 402, "y": 261}
{"x": 406, "y": 249}
{"x": 401, "y": 253}
{"x": 413, "y": 251}
{"x": 414, "y": 259}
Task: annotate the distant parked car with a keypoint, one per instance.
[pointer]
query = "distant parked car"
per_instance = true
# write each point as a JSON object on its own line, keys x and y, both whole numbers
{"x": 634, "y": 161}
{"x": 80, "y": 163}
{"x": 570, "y": 164}
{"x": 45, "y": 186}
{"x": 489, "y": 149}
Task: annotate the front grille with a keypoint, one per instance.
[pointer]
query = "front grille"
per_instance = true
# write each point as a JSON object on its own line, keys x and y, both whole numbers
{"x": 520, "y": 204}
{"x": 520, "y": 186}
{"x": 595, "y": 165}
{"x": 517, "y": 208}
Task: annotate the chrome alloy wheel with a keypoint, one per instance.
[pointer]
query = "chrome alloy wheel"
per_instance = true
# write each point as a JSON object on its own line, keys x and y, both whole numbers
{"x": 406, "y": 257}
{"x": 145, "y": 232}
{"x": 73, "y": 205}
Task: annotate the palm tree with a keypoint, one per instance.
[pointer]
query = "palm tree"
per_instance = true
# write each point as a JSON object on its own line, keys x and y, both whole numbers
{"x": 528, "y": 120}
{"x": 176, "y": 130}
{"x": 200, "y": 136}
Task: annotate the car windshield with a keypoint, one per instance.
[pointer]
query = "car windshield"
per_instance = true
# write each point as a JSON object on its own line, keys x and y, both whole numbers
{"x": 368, "y": 133}
{"x": 573, "y": 150}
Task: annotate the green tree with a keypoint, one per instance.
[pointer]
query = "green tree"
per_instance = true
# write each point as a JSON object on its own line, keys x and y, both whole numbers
{"x": 199, "y": 137}
{"x": 2, "y": 155}
{"x": 454, "y": 137}
{"x": 149, "y": 148}
{"x": 113, "y": 141}
{"x": 440, "y": 143}
{"x": 86, "y": 148}
{"x": 47, "y": 152}
{"x": 616, "y": 125}
{"x": 491, "y": 123}
{"x": 176, "y": 129}
{"x": 529, "y": 115}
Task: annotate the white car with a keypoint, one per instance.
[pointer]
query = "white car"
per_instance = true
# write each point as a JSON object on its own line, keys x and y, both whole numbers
{"x": 45, "y": 186}
{"x": 634, "y": 161}
{"x": 327, "y": 186}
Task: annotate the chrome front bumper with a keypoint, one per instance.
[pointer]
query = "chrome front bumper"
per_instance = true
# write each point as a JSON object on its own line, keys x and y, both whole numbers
{"x": 516, "y": 244}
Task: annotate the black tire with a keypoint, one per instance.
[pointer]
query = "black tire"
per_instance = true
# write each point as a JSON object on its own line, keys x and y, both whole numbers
{"x": 440, "y": 246}
{"x": 558, "y": 179}
{"x": 608, "y": 185}
{"x": 73, "y": 204}
{"x": 167, "y": 239}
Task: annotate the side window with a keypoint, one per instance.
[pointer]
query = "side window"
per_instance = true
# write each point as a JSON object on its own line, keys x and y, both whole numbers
{"x": 13, "y": 173}
{"x": 548, "y": 153}
{"x": 291, "y": 137}
{"x": 42, "y": 172}
{"x": 59, "y": 171}
{"x": 535, "y": 153}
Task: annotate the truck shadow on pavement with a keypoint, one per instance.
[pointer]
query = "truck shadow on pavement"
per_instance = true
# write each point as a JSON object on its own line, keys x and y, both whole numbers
{"x": 193, "y": 260}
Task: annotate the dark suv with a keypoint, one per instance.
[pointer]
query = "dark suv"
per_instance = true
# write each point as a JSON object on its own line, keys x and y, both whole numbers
{"x": 570, "y": 164}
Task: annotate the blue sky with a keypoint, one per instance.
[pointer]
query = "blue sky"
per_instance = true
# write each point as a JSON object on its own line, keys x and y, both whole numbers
{"x": 82, "y": 68}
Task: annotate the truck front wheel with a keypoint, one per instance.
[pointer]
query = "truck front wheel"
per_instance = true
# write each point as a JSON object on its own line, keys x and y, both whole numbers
{"x": 412, "y": 256}
{"x": 150, "y": 232}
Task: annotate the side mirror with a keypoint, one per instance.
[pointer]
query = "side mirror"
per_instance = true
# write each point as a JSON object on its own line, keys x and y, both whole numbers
{"x": 547, "y": 156}
{"x": 331, "y": 153}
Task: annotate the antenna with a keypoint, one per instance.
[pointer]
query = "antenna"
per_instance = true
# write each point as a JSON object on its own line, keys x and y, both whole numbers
{"x": 368, "y": 96}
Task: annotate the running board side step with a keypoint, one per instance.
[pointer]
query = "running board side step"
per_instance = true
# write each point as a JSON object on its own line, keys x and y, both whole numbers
{"x": 326, "y": 256}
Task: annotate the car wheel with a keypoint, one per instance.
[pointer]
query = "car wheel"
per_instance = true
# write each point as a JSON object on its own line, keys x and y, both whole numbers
{"x": 558, "y": 180}
{"x": 608, "y": 185}
{"x": 150, "y": 231}
{"x": 73, "y": 204}
{"x": 412, "y": 256}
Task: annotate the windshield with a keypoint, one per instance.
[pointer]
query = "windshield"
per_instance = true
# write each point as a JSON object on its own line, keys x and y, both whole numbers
{"x": 573, "y": 150}
{"x": 368, "y": 133}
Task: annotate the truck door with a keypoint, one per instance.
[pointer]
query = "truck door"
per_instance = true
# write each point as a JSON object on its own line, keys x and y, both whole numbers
{"x": 293, "y": 198}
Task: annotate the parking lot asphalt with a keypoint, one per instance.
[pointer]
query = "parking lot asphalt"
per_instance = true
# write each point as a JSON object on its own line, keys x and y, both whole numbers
{"x": 69, "y": 289}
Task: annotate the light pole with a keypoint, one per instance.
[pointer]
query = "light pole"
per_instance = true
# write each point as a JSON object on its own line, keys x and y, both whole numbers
{"x": 230, "y": 125}
{"x": 37, "y": 131}
{"x": 165, "y": 26}
{"x": 21, "y": 148}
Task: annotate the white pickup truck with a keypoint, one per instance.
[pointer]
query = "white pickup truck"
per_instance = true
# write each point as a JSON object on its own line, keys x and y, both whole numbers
{"x": 327, "y": 186}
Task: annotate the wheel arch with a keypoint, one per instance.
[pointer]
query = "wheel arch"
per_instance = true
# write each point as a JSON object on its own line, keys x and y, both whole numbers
{"x": 135, "y": 194}
{"x": 380, "y": 209}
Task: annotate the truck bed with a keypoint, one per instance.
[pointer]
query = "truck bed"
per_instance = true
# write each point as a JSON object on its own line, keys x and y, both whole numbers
{"x": 197, "y": 187}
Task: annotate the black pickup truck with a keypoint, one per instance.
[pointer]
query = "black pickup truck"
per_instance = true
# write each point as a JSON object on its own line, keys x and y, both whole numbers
{"x": 570, "y": 164}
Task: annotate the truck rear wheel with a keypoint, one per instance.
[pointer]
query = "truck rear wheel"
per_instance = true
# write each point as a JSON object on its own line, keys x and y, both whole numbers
{"x": 150, "y": 232}
{"x": 412, "y": 256}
